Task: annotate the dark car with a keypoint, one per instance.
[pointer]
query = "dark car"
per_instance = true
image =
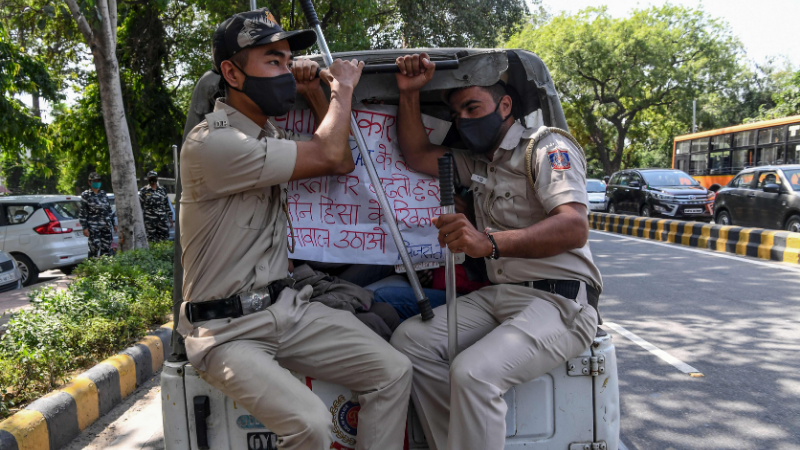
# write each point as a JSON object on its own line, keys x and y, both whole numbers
{"x": 765, "y": 197}
{"x": 659, "y": 193}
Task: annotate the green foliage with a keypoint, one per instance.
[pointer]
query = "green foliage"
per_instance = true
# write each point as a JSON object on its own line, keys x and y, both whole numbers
{"x": 470, "y": 23}
{"x": 21, "y": 73}
{"x": 25, "y": 178}
{"x": 787, "y": 100}
{"x": 619, "y": 78}
{"x": 111, "y": 303}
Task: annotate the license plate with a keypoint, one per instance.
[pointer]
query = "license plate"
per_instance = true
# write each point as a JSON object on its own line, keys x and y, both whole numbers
{"x": 262, "y": 441}
{"x": 693, "y": 211}
{"x": 78, "y": 233}
{"x": 596, "y": 206}
{"x": 6, "y": 277}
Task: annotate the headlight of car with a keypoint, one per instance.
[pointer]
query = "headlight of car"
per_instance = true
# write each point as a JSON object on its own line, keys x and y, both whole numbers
{"x": 664, "y": 197}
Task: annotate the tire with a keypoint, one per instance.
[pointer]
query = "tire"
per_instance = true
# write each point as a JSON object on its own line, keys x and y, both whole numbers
{"x": 645, "y": 211}
{"x": 793, "y": 224}
{"x": 29, "y": 271}
{"x": 723, "y": 218}
{"x": 612, "y": 208}
{"x": 68, "y": 269}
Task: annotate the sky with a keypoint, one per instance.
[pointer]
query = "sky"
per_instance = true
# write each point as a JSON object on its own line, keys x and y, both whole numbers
{"x": 767, "y": 28}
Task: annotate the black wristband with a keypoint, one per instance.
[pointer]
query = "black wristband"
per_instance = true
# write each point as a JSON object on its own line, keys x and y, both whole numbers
{"x": 495, "y": 252}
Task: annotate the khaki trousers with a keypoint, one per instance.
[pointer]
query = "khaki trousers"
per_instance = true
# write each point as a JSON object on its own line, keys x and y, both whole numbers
{"x": 508, "y": 335}
{"x": 247, "y": 359}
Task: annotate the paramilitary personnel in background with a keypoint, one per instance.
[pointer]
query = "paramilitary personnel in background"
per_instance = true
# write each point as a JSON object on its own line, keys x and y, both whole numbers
{"x": 530, "y": 209}
{"x": 155, "y": 207}
{"x": 96, "y": 218}
{"x": 243, "y": 321}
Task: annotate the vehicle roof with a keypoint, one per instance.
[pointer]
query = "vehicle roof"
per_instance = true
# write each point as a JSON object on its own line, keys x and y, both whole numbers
{"x": 649, "y": 169}
{"x": 771, "y": 167}
{"x": 533, "y": 87}
{"x": 737, "y": 128}
{"x": 38, "y": 198}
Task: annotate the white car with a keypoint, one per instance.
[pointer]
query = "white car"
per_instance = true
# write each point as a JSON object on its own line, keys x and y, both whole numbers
{"x": 10, "y": 276}
{"x": 42, "y": 232}
{"x": 597, "y": 194}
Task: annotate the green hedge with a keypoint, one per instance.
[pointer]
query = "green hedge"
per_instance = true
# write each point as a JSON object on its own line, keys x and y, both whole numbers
{"x": 111, "y": 303}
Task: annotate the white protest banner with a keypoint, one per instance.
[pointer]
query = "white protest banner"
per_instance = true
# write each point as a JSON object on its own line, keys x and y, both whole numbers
{"x": 338, "y": 218}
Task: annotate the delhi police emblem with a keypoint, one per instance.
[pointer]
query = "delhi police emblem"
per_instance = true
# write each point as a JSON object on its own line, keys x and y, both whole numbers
{"x": 559, "y": 159}
{"x": 345, "y": 420}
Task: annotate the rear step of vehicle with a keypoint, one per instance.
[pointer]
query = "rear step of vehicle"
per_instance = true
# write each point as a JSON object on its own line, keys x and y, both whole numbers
{"x": 574, "y": 406}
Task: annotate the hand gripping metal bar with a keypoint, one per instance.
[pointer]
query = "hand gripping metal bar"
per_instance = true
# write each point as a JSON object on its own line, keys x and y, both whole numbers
{"x": 448, "y": 207}
{"x": 422, "y": 301}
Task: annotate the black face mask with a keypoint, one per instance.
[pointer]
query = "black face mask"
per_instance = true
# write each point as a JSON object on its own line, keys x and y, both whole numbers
{"x": 481, "y": 134}
{"x": 274, "y": 95}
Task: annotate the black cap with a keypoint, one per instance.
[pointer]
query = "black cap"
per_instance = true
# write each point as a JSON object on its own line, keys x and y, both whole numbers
{"x": 252, "y": 28}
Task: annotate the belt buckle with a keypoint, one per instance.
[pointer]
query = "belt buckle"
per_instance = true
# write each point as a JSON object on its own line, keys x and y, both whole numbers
{"x": 552, "y": 284}
{"x": 254, "y": 301}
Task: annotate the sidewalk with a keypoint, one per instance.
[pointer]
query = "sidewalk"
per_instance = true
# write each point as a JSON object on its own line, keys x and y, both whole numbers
{"x": 17, "y": 300}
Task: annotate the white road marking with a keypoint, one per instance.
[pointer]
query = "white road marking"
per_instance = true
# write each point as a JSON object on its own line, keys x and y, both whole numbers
{"x": 677, "y": 363}
{"x": 774, "y": 265}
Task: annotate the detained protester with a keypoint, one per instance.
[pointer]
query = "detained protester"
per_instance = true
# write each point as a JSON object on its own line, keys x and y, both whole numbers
{"x": 243, "y": 321}
{"x": 532, "y": 230}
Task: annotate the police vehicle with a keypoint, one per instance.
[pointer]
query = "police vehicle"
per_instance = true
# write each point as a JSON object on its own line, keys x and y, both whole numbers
{"x": 574, "y": 407}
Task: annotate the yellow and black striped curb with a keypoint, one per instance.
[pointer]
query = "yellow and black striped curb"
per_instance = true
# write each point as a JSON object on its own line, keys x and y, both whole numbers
{"x": 55, "y": 419}
{"x": 772, "y": 245}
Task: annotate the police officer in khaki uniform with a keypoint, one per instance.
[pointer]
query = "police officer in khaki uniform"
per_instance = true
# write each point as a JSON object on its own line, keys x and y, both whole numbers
{"x": 532, "y": 229}
{"x": 243, "y": 322}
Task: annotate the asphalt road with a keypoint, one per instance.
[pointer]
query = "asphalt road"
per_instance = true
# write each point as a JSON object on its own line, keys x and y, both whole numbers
{"x": 735, "y": 320}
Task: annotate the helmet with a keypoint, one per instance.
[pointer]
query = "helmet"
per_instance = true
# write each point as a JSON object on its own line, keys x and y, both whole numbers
{"x": 93, "y": 176}
{"x": 152, "y": 174}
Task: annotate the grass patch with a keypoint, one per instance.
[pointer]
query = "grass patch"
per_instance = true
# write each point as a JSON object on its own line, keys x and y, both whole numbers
{"x": 111, "y": 303}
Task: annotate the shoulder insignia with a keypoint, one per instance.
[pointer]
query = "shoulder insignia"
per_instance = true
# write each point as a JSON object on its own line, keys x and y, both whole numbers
{"x": 217, "y": 120}
{"x": 559, "y": 159}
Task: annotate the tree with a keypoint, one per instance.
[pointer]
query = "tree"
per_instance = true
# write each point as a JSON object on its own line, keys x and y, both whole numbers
{"x": 22, "y": 131}
{"x": 619, "y": 77}
{"x": 786, "y": 100}
{"x": 372, "y": 24}
{"x": 97, "y": 22}
{"x": 27, "y": 150}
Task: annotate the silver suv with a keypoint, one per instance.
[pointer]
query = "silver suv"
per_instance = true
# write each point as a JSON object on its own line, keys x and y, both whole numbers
{"x": 42, "y": 232}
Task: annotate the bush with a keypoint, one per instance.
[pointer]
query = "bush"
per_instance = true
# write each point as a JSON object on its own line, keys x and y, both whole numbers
{"x": 111, "y": 303}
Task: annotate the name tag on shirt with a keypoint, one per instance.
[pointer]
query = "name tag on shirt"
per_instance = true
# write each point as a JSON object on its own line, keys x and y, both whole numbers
{"x": 478, "y": 179}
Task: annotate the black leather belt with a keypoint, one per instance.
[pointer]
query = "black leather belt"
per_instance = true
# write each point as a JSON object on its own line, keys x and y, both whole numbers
{"x": 238, "y": 305}
{"x": 565, "y": 288}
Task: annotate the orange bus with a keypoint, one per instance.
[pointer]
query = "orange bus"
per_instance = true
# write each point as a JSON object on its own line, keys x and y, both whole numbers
{"x": 714, "y": 157}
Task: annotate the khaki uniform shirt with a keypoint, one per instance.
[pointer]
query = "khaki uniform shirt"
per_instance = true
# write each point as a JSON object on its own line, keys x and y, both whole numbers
{"x": 504, "y": 200}
{"x": 233, "y": 228}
